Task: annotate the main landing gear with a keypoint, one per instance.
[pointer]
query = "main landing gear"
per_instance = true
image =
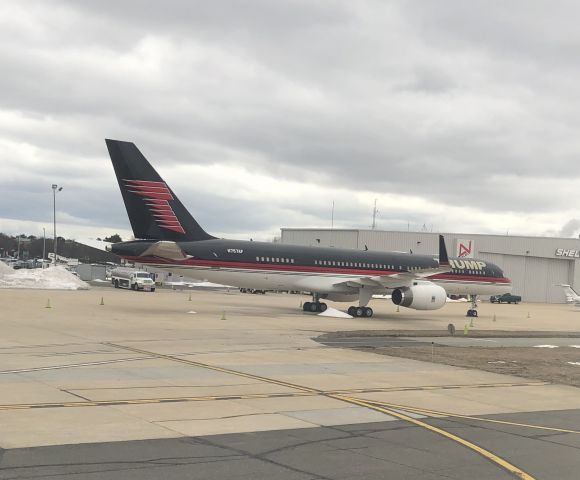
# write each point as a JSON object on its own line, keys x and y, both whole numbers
{"x": 316, "y": 306}
{"x": 360, "y": 311}
{"x": 472, "y": 312}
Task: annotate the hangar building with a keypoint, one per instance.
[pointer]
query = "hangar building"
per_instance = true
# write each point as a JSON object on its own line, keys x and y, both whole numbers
{"x": 536, "y": 265}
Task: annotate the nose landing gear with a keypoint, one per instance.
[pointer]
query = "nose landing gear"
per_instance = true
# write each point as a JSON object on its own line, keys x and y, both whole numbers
{"x": 472, "y": 312}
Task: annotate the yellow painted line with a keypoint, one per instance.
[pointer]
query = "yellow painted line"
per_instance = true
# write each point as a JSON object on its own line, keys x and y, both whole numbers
{"x": 425, "y": 411}
{"x": 217, "y": 369}
{"x": 145, "y": 401}
{"x": 519, "y": 473}
{"x": 485, "y": 453}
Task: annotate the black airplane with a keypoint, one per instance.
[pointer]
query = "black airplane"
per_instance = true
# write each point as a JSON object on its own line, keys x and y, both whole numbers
{"x": 168, "y": 237}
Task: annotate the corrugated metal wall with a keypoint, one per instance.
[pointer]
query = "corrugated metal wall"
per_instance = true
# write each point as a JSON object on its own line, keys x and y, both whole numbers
{"x": 530, "y": 262}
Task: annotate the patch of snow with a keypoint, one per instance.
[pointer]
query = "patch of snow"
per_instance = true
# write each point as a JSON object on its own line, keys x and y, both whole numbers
{"x": 5, "y": 269}
{"x": 497, "y": 361}
{"x": 52, "y": 278}
{"x": 574, "y": 346}
{"x": 334, "y": 313}
{"x": 574, "y": 363}
{"x": 546, "y": 346}
{"x": 192, "y": 312}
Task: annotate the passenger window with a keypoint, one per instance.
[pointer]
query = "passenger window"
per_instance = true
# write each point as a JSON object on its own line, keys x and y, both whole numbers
{"x": 291, "y": 260}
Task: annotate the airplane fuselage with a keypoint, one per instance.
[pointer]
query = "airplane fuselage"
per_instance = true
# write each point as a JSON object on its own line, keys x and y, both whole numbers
{"x": 323, "y": 270}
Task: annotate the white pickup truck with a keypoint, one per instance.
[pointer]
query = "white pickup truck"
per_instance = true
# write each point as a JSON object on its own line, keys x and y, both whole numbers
{"x": 132, "y": 278}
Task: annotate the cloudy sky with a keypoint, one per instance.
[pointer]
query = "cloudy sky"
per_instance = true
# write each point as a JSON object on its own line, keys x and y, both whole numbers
{"x": 457, "y": 116}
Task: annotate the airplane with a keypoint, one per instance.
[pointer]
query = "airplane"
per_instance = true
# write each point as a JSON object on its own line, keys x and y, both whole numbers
{"x": 168, "y": 237}
{"x": 571, "y": 295}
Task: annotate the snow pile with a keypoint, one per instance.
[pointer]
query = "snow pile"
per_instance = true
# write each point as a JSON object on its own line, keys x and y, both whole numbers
{"x": 5, "y": 269}
{"x": 334, "y": 313}
{"x": 52, "y": 278}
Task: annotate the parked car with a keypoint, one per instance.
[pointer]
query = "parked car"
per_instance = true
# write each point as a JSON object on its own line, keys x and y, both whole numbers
{"x": 505, "y": 298}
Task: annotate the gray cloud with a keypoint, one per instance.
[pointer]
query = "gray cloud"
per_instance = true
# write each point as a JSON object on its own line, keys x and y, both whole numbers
{"x": 570, "y": 228}
{"x": 462, "y": 105}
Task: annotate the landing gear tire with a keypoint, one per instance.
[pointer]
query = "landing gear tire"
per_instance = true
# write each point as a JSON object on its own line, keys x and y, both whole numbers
{"x": 472, "y": 312}
{"x": 360, "y": 312}
{"x": 314, "y": 307}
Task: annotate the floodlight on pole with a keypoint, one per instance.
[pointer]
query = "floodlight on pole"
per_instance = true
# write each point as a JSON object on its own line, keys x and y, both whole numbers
{"x": 55, "y": 188}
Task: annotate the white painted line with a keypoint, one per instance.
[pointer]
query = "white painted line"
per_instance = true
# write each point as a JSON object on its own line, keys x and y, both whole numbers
{"x": 74, "y": 365}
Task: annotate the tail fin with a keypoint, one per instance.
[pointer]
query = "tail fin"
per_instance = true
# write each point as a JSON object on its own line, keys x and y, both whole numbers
{"x": 571, "y": 295}
{"x": 154, "y": 210}
{"x": 443, "y": 257}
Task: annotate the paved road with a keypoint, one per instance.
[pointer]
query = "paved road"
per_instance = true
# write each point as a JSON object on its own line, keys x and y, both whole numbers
{"x": 457, "y": 341}
{"x": 378, "y": 450}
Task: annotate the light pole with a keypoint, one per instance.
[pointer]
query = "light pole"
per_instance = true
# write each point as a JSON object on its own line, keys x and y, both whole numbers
{"x": 43, "y": 245}
{"x": 55, "y": 187}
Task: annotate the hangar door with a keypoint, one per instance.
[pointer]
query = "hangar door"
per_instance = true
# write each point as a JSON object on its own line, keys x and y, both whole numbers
{"x": 535, "y": 279}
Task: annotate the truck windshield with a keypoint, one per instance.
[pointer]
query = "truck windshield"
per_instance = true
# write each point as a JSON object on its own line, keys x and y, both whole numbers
{"x": 143, "y": 275}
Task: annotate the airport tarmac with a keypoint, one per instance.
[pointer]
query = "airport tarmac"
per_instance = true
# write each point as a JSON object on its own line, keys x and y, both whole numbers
{"x": 165, "y": 370}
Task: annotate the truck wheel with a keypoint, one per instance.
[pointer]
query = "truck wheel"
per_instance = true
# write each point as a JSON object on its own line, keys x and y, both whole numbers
{"x": 133, "y": 287}
{"x": 153, "y": 289}
{"x": 116, "y": 283}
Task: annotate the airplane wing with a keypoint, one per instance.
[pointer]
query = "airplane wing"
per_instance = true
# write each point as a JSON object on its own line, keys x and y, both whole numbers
{"x": 166, "y": 249}
{"x": 402, "y": 279}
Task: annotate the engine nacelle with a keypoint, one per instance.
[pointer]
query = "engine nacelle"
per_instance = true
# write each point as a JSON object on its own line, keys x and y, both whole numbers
{"x": 420, "y": 297}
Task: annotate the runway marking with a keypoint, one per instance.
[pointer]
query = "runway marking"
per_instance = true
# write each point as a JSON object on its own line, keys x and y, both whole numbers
{"x": 74, "y": 365}
{"x": 426, "y": 411}
{"x": 476, "y": 448}
{"x": 215, "y": 368}
{"x": 472, "y": 446}
{"x": 247, "y": 396}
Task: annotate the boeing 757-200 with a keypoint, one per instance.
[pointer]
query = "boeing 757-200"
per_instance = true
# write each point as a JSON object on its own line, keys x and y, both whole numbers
{"x": 168, "y": 237}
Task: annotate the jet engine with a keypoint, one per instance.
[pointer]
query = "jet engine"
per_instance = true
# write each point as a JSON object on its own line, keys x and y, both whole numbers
{"x": 420, "y": 297}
